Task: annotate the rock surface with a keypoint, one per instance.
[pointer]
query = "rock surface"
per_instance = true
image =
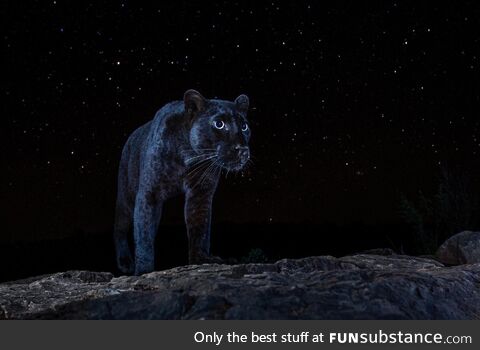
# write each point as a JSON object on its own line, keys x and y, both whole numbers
{"x": 353, "y": 287}
{"x": 462, "y": 248}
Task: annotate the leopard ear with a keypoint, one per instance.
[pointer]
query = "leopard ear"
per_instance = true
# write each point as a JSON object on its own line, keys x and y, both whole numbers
{"x": 194, "y": 101}
{"x": 242, "y": 103}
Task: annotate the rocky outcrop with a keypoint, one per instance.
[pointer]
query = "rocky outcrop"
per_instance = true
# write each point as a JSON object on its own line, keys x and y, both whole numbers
{"x": 462, "y": 248}
{"x": 353, "y": 287}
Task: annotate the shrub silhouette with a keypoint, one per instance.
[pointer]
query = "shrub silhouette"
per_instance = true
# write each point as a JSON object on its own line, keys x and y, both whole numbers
{"x": 451, "y": 209}
{"x": 254, "y": 256}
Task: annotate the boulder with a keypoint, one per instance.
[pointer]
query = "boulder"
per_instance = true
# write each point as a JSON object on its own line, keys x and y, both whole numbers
{"x": 462, "y": 248}
{"x": 323, "y": 287}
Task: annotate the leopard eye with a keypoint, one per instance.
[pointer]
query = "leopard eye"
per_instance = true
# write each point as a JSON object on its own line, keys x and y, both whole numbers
{"x": 244, "y": 127}
{"x": 219, "y": 124}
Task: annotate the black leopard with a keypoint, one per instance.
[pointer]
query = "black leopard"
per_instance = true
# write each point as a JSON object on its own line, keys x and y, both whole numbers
{"x": 182, "y": 150}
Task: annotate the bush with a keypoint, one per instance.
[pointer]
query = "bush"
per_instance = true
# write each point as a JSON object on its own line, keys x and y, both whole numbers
{"x": 451, "y": 209}
{"x": 254, "y": 256}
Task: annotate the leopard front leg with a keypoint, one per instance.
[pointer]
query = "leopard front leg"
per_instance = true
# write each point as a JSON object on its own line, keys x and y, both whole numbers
{"x": 198, "y": 212}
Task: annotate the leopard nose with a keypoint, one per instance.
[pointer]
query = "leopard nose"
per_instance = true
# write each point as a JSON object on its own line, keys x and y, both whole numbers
{"x": 243, "y": 152}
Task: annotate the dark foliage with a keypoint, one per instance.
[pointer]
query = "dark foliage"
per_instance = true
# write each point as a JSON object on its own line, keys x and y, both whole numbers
{"x": 452, "y": 208}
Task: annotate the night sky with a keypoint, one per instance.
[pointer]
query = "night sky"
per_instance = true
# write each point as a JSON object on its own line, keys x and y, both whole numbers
{"x": 352, "y": 103}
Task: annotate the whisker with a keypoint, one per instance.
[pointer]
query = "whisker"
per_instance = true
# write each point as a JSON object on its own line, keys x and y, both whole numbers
{"x": 207, "y": 157}
{"x": 220, "y": 168}
{"x": 195, "y": 180}
{"x": 189, "y": 160}
{"x": 217, "y": 171}
{"x": 213, "y": 171}
{"x": 202, "y": 167}
{"x": 200, "y": 162}
{"x": 198, "y": 166}
{"x": 202, "y": 154}
{"x": 205, "y": 171}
